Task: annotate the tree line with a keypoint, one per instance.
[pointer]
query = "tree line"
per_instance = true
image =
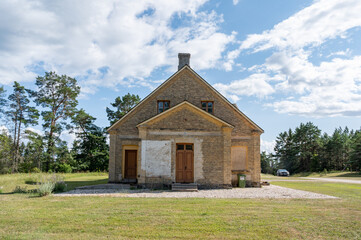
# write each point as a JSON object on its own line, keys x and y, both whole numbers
{"x": 55, "y": 102}
{"x": 306, "y": 149}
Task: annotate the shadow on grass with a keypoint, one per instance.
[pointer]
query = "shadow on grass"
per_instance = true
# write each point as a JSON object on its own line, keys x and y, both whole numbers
{"x": 303, "y": 174}
{"x": 73, "y": 184}
{"x": 330, "y": 174}
{"x": 354, "y": 174}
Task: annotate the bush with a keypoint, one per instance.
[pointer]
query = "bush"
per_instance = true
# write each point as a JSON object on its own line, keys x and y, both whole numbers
{"x": 324, "y": 172}
{"x": 46, "y": 188}
{"x": 60, "y": 187}
{"x": 50, "y": 184}
{"x": 5, "y": 170}
{"x": 64, "y": 168}
{"x": 35, "y": 170}
{"x": 19, "y": 189}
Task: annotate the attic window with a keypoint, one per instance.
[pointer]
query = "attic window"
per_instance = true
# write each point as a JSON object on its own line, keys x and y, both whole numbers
{"x": 207, "y": 106}
{"x": 163, "y": 105}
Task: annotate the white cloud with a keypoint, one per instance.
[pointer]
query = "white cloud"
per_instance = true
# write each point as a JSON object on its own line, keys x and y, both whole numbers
{"x": 235, "y": 2}
{"x": 255, "y": 85}
{"x": 69, "y": 137}
{"x": 267, "y": 146}
{"x": 325, "y": 19}
{"x": 105, "y": 43}
{"x": 4, "y": 129}
{"x": 40, "y": 132}
{"x": 330, "y": 87}
{"x": 347, "y": 52}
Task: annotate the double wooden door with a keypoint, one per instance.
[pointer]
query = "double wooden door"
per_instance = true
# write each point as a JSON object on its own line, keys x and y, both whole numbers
{"x": 185, "y": 163}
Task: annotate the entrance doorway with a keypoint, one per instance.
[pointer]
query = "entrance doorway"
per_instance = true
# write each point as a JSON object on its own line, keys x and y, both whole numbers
{"x": 130, "y": 166}
{"x": 184, "y": 163}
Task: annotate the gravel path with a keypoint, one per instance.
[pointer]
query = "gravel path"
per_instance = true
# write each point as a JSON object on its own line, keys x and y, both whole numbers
{"x": 336, "y": 180}
{"x": 264, "y": 192}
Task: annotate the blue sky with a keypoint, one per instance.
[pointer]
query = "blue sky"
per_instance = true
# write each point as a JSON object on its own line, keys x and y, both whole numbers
{"x": 282, "y": 62}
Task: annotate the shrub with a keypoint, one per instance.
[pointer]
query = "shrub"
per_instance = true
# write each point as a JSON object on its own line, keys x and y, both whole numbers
{"x": 324, "y": 172}
{"x": 35, "y": 170}
{"x": 55, "y": 183}
{"x": 60, "y": 187}
{"x": 19, "y": 189}
{"x": 46, "y": 188}
{"x": 5, "y": 170}
{"x": 64, "y": 168}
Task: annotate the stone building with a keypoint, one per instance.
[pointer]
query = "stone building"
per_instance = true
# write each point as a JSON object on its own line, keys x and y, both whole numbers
{"x": 185, "y": 132}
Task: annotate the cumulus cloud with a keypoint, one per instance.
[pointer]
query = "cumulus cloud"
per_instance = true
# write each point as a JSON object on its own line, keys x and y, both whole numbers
{"x": 328, "y": 87}
{"x": 253, "y": 85}
{"x": 4, "y": 130}
{"x": 105, "y": 43}
{"x": 313, "y": 25}
{"x": 69, "y": 137}
{"x": 40, "y": 132}
{"x": 267, "y": 146}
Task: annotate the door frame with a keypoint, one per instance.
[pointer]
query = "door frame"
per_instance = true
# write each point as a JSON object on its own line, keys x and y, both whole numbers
{"x": 129, "y": 147}
{"x": 176, "y": 159}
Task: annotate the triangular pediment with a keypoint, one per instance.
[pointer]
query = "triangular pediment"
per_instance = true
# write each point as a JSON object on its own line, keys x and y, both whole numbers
{"x": 185, "y": 116}
{"x": 175, "y": 78}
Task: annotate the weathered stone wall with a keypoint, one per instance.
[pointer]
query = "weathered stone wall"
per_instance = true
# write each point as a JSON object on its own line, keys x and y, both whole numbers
{"x": 185, "y": 87}
{"x": 208, "y": 155}
{"x": 185, "y": 119}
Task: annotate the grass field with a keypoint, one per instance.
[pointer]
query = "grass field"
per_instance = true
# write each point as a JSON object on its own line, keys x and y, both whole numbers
{"x": 304, "y": 176}
{"x": 338, "y": 174}
{"x": 24, "y": 216}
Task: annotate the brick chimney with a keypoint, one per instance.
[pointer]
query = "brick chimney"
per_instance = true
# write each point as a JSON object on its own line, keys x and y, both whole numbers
{"x": 183, "y": 59}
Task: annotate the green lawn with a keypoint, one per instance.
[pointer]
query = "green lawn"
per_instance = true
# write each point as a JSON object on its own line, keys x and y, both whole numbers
{"x": 10, "y": 181}
{"x": 266, "y": 177}
{"x": 23, "y": 216}
{"x": 336, "y": 174}
{"x": 304, "y": 176}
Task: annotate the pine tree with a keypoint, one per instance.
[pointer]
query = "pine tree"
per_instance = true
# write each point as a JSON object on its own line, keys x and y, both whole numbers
{"x": 20, "y": 113}
{"x": 123, "y": 106}
{"x": 58, "y": 96}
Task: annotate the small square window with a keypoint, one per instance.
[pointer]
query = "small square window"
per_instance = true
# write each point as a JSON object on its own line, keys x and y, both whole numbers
{"x": 207, "y": 106}
{"x": 189, "y": 147}
{"x": 163, "y": 105}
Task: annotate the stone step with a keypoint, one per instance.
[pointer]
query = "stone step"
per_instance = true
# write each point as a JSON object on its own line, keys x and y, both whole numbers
{"x": 185, "y": 187}
{"x": 106, "y": 186}
{"x": 129, "y": 181}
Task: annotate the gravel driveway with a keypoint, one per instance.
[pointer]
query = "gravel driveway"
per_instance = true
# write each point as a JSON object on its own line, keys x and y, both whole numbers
{"x": 264, "y": 192}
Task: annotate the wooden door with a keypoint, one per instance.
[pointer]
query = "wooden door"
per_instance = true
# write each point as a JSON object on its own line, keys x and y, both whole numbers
{"x": 184, "y": 163}
{"x": 130, "y": 168}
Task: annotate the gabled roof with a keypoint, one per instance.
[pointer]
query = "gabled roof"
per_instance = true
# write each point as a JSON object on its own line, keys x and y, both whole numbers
{"x": 200, "y": 78}
{"x": 184, "y": 105}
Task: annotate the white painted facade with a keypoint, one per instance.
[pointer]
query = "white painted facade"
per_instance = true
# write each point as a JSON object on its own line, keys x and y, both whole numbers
{"x": 156, "y": 158}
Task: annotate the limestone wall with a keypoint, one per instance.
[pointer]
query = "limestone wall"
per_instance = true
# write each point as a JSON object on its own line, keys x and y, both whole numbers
{"x": 214, "y": 144}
